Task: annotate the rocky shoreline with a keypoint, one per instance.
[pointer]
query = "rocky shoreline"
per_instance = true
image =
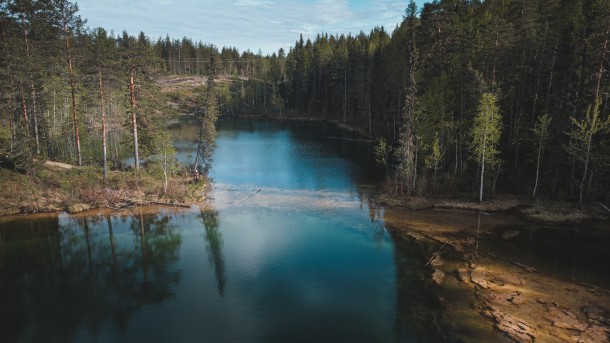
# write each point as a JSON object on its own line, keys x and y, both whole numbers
{"x": 489, "y": 297}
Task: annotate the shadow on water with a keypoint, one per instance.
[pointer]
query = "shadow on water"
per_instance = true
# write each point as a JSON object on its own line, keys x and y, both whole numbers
{"x": 61, "y": 275}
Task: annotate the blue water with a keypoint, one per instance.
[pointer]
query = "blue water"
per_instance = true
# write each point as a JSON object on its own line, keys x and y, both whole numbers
{"x": 291, "y": 249}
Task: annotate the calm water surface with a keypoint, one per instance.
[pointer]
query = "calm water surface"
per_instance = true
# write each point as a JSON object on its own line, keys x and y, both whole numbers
{"x": 291, "y": 249}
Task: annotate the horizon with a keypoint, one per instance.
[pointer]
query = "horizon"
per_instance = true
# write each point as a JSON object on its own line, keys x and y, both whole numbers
{"x": 247, "y": 25}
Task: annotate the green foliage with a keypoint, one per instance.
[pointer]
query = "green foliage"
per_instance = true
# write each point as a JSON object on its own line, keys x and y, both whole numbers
{"x": 542, "y": 135}
{"x": 486, "y": 131}
{"x": 383, "y": 152}
{"x": 485, "y": 134}
{"x": 541, "y": 128}
{"x": 435, "y": 156}
{"x": 583, "y": 136}
{"x": 163, "y": 159}
{"x": 23, "y": 155}
{"x": 541, "y": 56}
{"x": 5, "y": 136}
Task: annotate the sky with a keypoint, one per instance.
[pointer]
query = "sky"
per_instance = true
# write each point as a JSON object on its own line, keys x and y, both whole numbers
{"x": 267, "y": 25}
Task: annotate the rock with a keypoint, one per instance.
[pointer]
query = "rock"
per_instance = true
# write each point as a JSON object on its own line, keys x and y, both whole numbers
{"x": 510, "y": 234}
{"x": 438, "y": 276}
{"x": 513, "y": 327}
{"x": 595, "y": 333}
{"x": 415, "y": 235}
{"x": 436, "y": 261}
{"x": 51, "y": 208}
{"x": 524, "y": 267}
{"x": 564, "y": 319}
{"x": 462, "y": 275}
{"x": 77, "y": 208}
{"x": 503, "y": 279}
{"x": 504, "y": 299}
{"x": 27, "y": 209}
{"x": 479, "y": 278}
{"x": 597, "y": 315}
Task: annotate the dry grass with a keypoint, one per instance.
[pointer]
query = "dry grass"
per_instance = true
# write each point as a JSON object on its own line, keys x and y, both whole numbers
{"x": 76, "y": 189}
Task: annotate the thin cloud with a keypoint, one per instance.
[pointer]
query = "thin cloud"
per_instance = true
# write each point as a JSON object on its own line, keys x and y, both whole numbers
{"x": 244, "y": 24}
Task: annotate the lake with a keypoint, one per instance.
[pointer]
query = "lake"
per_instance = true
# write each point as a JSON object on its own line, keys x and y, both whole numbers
{"x": 291, "y": 248}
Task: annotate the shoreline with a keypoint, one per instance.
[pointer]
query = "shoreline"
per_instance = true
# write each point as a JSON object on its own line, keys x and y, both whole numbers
{"x": 59, "y": 187}
{"x": 313, "y": 119}
{"x": 543, "y": 211}
{"x": 491, "y": 295}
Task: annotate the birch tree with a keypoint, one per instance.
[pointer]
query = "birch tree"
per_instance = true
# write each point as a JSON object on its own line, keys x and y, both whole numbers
{"x": 164, "y": 155}
{"x": 541, "y": 132}
{"x": 583, "y": 133}
{"x": 485, "y": 135}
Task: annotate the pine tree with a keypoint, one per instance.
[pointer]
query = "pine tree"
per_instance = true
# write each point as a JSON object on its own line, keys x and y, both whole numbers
{"x": 406, "y": 151}
{"x": 207, "y": 120}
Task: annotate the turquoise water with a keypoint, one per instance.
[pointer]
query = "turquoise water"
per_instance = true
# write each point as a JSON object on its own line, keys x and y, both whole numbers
{"x": 290, "y": 249}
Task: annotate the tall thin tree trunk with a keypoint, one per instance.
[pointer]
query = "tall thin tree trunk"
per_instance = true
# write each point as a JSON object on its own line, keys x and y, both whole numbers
{"x": 345, "y": 92}
{"x": 584, "y": 175}
{"x": 35, "y": 118}
{"x": 103, "y": 110}
{"x": 370, "y": 121}
{"x": 594, "y": 112}
{"x": 24, "y": 111}
{"x": 134, "y": 120}
{"x": 548, "y": 90}
{"x": 165, "y": 173}
{"x": 483, "y": 162}
{"x": 72, "y": 85}
{"x": 537, "y": 167}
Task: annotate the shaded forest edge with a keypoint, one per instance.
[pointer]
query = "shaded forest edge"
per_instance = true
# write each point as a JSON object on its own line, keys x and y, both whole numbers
{"x": 495, "y": 99}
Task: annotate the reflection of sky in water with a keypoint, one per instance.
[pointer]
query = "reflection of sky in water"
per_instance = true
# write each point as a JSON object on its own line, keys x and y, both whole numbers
{"x": 277, "y": 159}
{"x": 299, "y": 261}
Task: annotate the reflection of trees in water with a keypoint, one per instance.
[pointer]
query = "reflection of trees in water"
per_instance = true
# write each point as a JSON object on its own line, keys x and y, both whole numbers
{"x": 210, "y": 220}
{"x": 417, "y": 307}
{"x": 84, "y": 276}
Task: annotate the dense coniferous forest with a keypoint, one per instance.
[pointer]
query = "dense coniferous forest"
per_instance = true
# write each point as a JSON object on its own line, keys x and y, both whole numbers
{"x": 465, "y": 97}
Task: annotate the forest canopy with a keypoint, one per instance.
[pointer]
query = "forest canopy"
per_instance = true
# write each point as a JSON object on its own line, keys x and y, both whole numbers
{"x": 420, "y": 87}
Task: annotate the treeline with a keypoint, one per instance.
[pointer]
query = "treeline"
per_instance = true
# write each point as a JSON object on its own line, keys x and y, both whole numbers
{"x": 431, "y": 88}
{"x": 74, "y": 94}
{"x": 529, "y": 75}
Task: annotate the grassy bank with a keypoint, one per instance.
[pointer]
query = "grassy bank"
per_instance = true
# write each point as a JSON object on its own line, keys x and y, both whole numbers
{"x": 61, "y": 187}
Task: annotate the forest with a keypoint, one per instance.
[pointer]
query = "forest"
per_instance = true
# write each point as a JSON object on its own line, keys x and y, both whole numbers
{"x": 464, "y": 96}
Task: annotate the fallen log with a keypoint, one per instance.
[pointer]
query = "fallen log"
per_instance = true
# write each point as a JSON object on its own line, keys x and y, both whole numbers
{"x": 352, "y": 139}
{"x": 170, "y": 204}
{"x": 604, "y": 206}
{"x": 526, "y": 268}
